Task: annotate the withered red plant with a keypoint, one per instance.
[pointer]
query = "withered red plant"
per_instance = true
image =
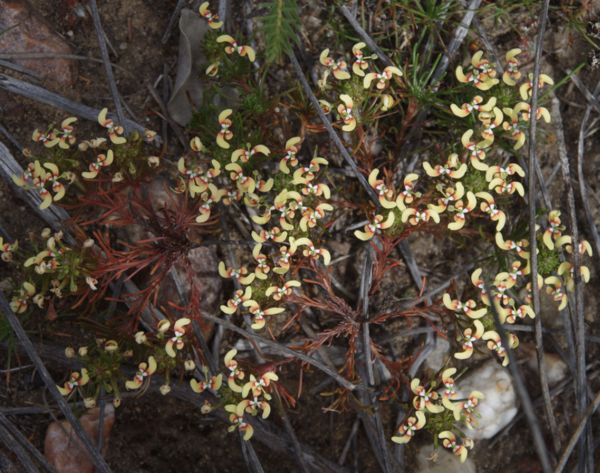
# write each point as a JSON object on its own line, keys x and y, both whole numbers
{"x": 348, "y": 322}
{"x": 169, "y": 232}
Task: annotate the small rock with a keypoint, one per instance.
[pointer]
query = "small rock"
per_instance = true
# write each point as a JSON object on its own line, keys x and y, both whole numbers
{"x": 62, "y": 453}
{"x": 446, "y": 462}
{"x": 498, "y": 407}
{"x": 556, "y": 368}
{"x": 204, "y": 264}
{"x": 123, "y": 46}
{"x": 437, "y": 358}
{"x": 34, "y": 35}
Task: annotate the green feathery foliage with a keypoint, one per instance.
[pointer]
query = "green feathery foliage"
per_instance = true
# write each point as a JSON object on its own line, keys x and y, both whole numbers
{"x": 280, "y": 28}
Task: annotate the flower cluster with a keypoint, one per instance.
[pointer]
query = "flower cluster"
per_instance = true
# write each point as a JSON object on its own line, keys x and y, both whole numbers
{"x": 347, "y": 109}
{"x": 429, "y": 403}
{"x": 252, "y": 397}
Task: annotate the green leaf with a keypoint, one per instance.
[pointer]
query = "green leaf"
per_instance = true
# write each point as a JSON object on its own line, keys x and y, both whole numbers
{"x": 280, "y": 27}
{"x": 8, "y": 29}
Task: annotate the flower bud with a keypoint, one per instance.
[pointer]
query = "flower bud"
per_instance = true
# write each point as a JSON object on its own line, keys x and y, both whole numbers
{"x": 128, "y": 353}
{"x": 111, "y": 346}
{"x": 70, "y": 176}
{"x": 51, "y": 243}
{"x": 6, "y": 256}
{"x": 40, "y": 269}
{"x": 196, "y": 144}
{"x": 206, "y": 408}
{"x": 154, "y": 161}
{"x": 69, "y": 352}
{"x": 149, "y": 134}
{"x": 91, "y": 282}
{"x": 83, "y": 146}
{"x": 100, "y": 341}
{"x": 27, "y": 152}
{"x": 117, "y": 402}
{"x": 165, "y": 389}
{"x": 140, "y": 337}
{"x": 83, "y": 351}
{"x": 468, "y": 443}
{"x": 90, "y": 402}
{"x": 88, "y": 243}
{"x": 190, "y": 365}
{"x": 58, "y": 236}
{"x": 46, "y": 232}
{"x": 163, "y": 326}
{"x": 118, "y": 177}
{"x": 39, "y": 300}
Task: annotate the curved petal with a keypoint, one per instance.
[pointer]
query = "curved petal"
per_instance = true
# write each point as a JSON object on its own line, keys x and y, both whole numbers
{"x": 102, "y": 116}
{"x": 368, "y": 79}
{"x": 460, "y": 75}
{"x": 225, "y": 38}
{"x": 323, "y": 57}
{"x": 476, "y": 59}
{"x": 506, "y": 78}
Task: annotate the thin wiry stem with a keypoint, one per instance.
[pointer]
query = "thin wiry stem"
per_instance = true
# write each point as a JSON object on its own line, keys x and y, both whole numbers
{"x": 580, "y": 428}
{"x": 43, "y": 372}
{"x": 306, "y": 358}
{"x": 490, "y": 49}
{"x": 101, "y": 419}
{"x": 61, "y": 56}
{"x": 250, "y": 459}
{"x": 42, "y": 95}
{"x": 210, "y": 361}
{"x": 365, "y": 287}
{"x": 108, "y": 68}
{"x": 596, "y": 241}
{"x": 365, "y": 37}
{"x": 583, "y": 89}
{"x": 457, "y": 38}
{"x": 582, "y": 188}
{"x": 534, "y": 426}
{"x": 289, "y": 429}
{"x": 533, "y": 262}
{"x": 579, "y": 318}
{"x": 17, "y": 449}
{"x": 346, "y": 449}
{"x": 165, "y": 112}
{"x": 172, "y": 21}
{"x": 6, "y": 465}
{"x": 10, "y": 138}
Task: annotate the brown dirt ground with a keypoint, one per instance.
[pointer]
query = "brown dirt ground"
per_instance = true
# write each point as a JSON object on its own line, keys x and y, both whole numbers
{"x": 159, "y": 434}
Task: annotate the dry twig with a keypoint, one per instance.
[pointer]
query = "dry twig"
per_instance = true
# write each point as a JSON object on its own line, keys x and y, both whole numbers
{"x": 533, "y": 262}
{"x": 62, "y": 56}
{"x": 526, "y": 404}
{"x": 579, "y": 318}
{"x": 42, "y": 95}
{"x": 573, "y": 441}
{"x": 105, "y": 59}
{"x": 16, "y": 433}
{"x": 365, "y": 37}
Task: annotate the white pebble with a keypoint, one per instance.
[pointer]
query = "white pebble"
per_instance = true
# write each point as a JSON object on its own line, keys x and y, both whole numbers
{"x": 498, "y": 407}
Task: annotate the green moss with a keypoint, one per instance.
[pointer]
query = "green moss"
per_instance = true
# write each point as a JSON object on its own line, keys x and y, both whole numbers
{"x": 548, "y": 260}
{"x": 255, "y": 103}
{"x": 398, "y": 227}
{"x": 506, "y": 96}
{"x": 474, "y": 181}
